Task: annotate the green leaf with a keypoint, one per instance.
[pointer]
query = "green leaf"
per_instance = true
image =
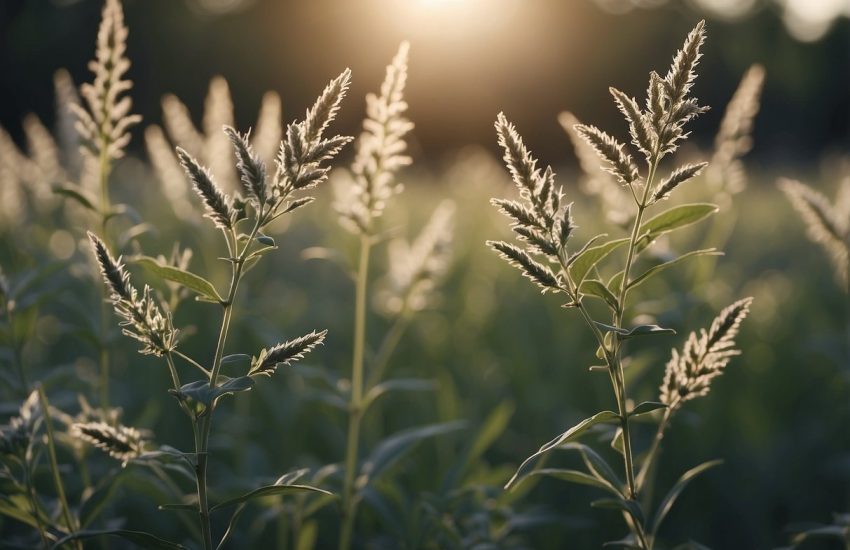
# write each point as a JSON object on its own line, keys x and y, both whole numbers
{"x": 646, "y": 407}
{"x": 670, "y": 220}
{"x": 235, "y": 358}
{"x": 264, "y": 239}
{"x": 179, "y": 507}
{"x": 569, "y": 435}
{"x": 390, "y": 450}
{"x": 145, "y": 540}
{"x": 582, "y": 262}
{"x": 654, "y": 270}
{"x": 269, "y": 490}
{"x": 597, "y": 466}
{"x": 626, "y": 542}
{"x": 77, "y": 194}
{"x": 640, "y": 330}
{"x": 200, "y": 391}
{"x": 574, "y": 476}
{"x": 398, "y": 384}
{"x": 670, "y": 498}
{"x": 193, "y": 282}
{"x": 596, "y": 288}
{"x": 617, "y": 442}
{"x": 631, "y": 507}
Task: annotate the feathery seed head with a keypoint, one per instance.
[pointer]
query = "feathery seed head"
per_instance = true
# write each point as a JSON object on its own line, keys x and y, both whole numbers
{"x": 825, "y": 224}
{"x": 104, "y": 123}
{"x": 219, "y": 207}
{"x": 286, "y": 353}
{"x": 619, "y": 163}
{"x": 252, "y": 170}
{"x": 142, "y": 317}
{"x": 416, "y": 269}
{"x": 120, "y": 442}
{"x": 689, "y": 374}
{"x": 381, "y": 151}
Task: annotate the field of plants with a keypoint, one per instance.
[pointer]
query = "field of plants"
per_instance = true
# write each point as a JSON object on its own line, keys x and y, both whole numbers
{"x": 301, "y": 333}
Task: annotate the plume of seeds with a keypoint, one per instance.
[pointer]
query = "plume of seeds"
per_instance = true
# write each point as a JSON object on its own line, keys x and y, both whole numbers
{"x": 689, "y": 374}
{"x": 210, "y": 146}
{"x": 66, "y": 134}
{"x": 416, "y": 269}
{"x": 827, "y": 224}
{"x": 285, "y": 353}
{"x": 142, "y": 317}
{"x": 16, "y": 436}
{"x": 734, "y": 138}
{"x": 541, "y": 222}
{"x": 304, "y": 150}
{"x": 380, "y": 151}
{"x": 616, "y": 203}
{"x": 300, "y": 164}
{"x": 104, "y": 123}
{"x": 219, "y": 207}
{"x": 120, "y": 442}
{"x": 657, "y": 129}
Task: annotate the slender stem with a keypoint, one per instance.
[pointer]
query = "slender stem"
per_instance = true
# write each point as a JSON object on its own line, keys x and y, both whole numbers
{"x": 387, "y": 347}
{"x": 54, "y": 464}
{"x": 33, "y": 497}
{"x": 355, "y": 412}
{"x": 617, "y": 366}
{"x": 204, "y": 421}
{"x": 103, "y": 382}
{"x": 651, "y": 455}
{"x": 16, "y": 349}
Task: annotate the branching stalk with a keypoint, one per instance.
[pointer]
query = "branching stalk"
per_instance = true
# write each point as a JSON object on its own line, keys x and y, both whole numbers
{"x": 355, "y": 410}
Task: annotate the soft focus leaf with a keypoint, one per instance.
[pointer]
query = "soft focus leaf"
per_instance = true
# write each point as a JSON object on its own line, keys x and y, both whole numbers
{"x": 193, "y": 282}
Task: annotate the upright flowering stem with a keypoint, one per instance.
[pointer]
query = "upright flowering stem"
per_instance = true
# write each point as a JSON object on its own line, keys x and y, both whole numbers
{"x": 355, "y": 413}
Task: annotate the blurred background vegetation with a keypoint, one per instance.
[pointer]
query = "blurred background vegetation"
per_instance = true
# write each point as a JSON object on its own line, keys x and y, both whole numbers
{"x": 778, "y": 417}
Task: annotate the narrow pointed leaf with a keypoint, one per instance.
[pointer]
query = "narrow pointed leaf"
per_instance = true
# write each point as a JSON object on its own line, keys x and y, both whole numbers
{"x": 193, "y": 282}
{"x": 574, "y": 476}
{"x": 390, "y": 450}
{"x": 672, "y": 219}
{"x": 646, "y": 407}
{"x": 596, "y": 288}
{"x": 654, "y": 270}
{"x": 597, "y": 466}
{"x": 269, "y": 490}
{"x": 569, "y": 435}
{"x": 668, "y": 501}
{"x": 583, "y": 262}
{"x": 631, "y": 507}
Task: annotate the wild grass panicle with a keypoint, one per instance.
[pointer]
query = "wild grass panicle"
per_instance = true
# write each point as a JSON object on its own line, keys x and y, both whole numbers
{"x": 103, "y": 123}
{"x": 145, "y": 318}
{"x": 543, "y": 225}
{"x": 688, "y": 374}
{"x": 827, "y": 222}
{"x": 380, "y": 151}
{"x": 209, "y": 145}
{"x": 734, "y": 138}
{"x": 122, "y": 443}
{"x": 415, "y": 269}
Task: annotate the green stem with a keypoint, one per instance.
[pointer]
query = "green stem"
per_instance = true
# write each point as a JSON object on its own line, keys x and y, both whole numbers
{"x": 355, "y": 412}
{"x": 387, "y": 347}
{"x": 618, "y": 376}
{"x": 646, "y": 467}
{"x": 54, "y": 463}
{"x": 17, "y": 354}
{"x": 204, "y": 421}
{"x": 104, "y": 170}
{"x": 34, "y": 503}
